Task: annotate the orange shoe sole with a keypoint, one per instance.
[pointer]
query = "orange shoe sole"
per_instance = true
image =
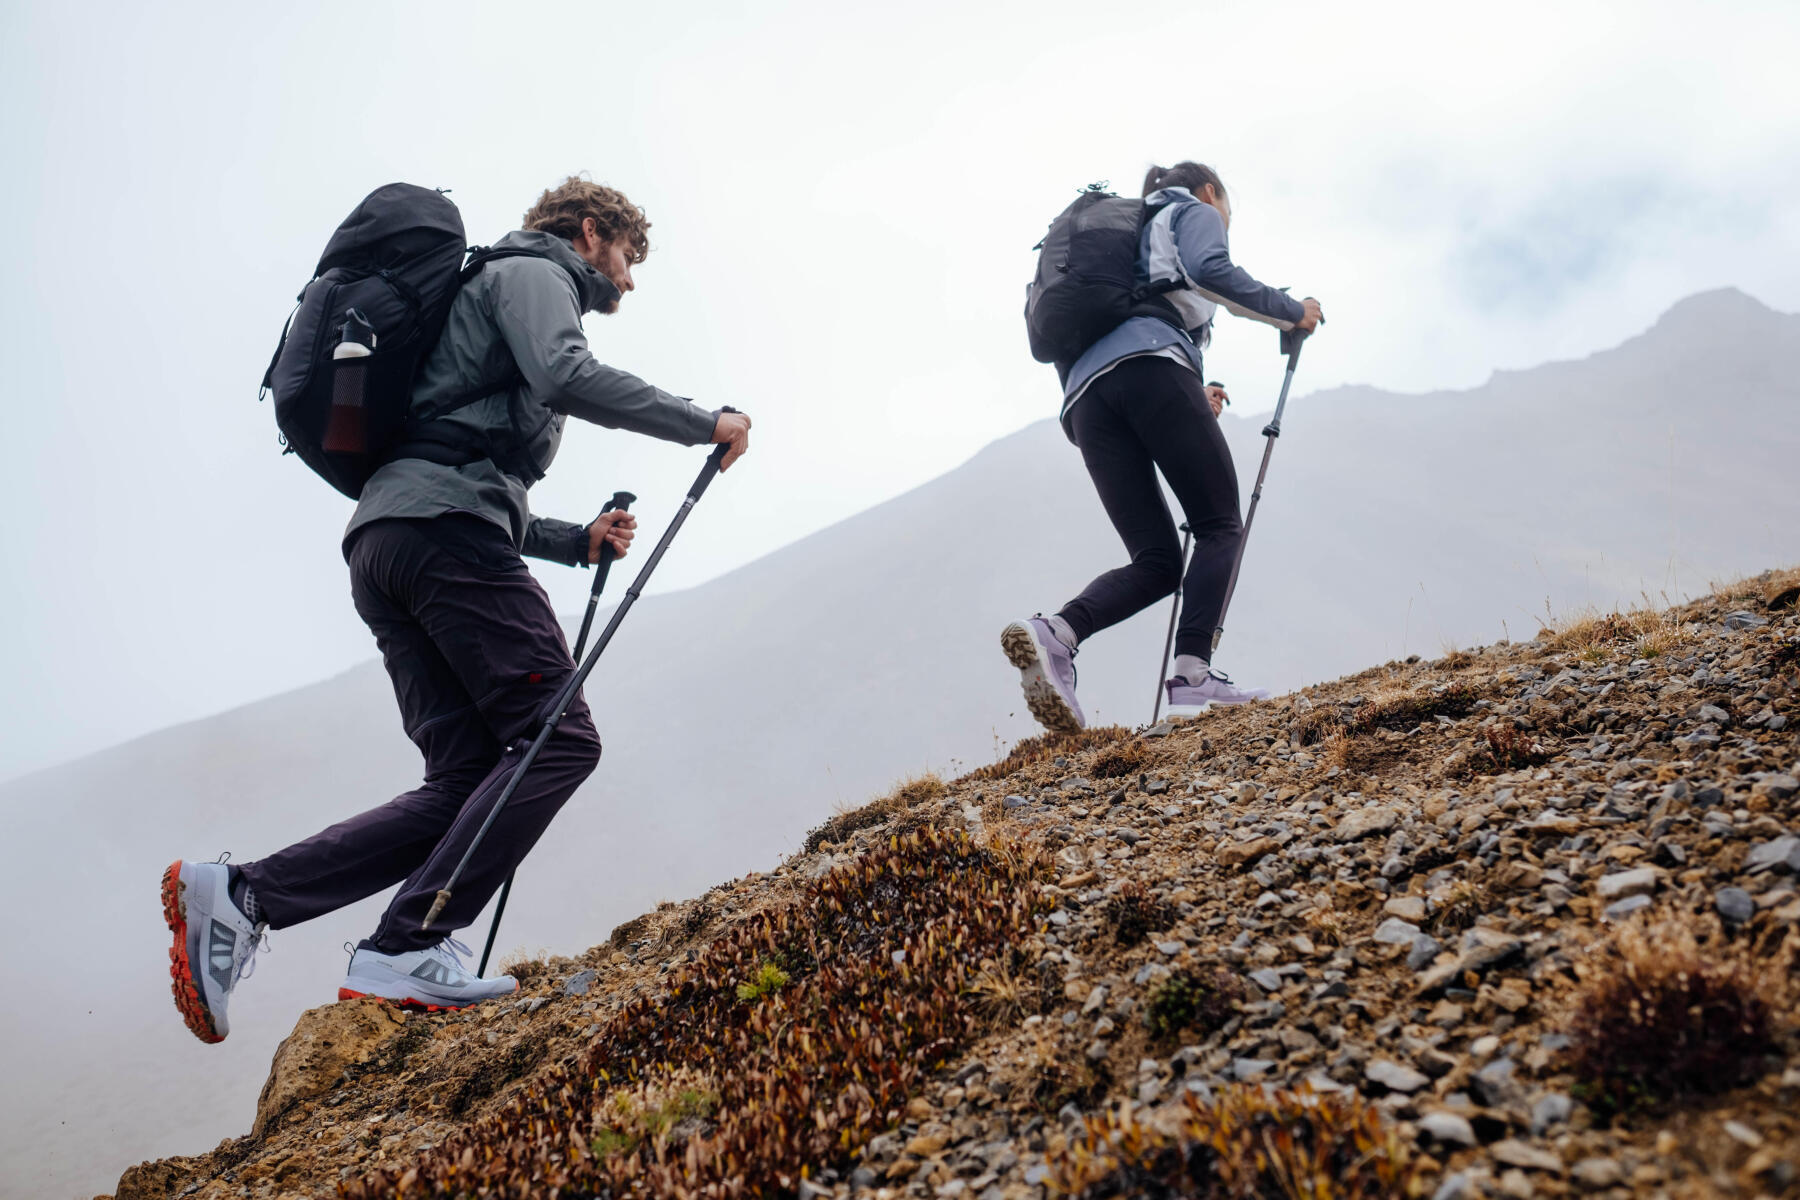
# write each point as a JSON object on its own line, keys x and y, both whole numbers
{"x": 188, "y": 1000}
{"x": 345, "y": 993}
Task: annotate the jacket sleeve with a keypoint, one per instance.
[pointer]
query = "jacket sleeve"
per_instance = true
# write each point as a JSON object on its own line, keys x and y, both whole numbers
{"x": 535, "y": 309}
{"x": 1206, "y": 257}
{"x": 557, "y": 541}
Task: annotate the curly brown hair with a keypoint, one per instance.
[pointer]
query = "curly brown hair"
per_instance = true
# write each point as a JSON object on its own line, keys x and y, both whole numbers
{"x": 560, "y": 211}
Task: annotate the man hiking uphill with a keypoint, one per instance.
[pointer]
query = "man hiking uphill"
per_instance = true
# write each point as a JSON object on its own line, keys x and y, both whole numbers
{"x": 469, "y": 638}
{"x": 1133, "y": 402}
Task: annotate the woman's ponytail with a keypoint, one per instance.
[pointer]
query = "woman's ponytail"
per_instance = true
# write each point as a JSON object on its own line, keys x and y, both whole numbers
{"x": 1190, "y": 175}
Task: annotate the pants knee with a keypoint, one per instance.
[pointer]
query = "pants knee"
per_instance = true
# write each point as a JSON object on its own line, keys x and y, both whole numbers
{"x": 1163, "y": 568}
{"x": 579, "y": 744}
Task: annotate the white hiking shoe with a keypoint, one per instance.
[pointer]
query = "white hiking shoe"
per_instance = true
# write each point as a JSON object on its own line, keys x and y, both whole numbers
{"x": 1215, "y": 688}
{"x": 432, "y": 979}
{"x": 215, "y": 944}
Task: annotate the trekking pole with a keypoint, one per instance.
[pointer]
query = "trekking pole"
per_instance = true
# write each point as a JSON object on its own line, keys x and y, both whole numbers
{"x": 1291, "y": 341}
{"x": 623, "y": 502}
{"x": 566, "y": 697}
{"x": 1187, "y": 535}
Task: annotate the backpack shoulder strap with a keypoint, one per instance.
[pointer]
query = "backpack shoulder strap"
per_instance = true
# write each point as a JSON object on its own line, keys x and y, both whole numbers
{"x": 479, "y": 257}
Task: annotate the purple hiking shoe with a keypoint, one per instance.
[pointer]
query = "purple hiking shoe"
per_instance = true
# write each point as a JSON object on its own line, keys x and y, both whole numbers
{"x": 1216, "y": 688}
{"x": 1047, "y": 668}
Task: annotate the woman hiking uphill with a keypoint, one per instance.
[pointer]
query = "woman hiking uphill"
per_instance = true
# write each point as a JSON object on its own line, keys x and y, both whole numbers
{"x": 1133, "y": 402}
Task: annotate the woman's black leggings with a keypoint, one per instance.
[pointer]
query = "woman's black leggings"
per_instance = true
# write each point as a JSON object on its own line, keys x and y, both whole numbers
{"x": 1144, "y": 414}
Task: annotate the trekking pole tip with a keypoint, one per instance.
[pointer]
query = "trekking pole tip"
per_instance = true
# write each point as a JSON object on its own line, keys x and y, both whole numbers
{"x": 437, "y": 906}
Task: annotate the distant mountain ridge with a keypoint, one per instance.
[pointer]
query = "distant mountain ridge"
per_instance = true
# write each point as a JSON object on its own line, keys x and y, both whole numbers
{"x": 738, "y": 713}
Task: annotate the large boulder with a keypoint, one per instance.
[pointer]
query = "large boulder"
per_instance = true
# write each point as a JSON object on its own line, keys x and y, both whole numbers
{"x": 325, "y": 1043}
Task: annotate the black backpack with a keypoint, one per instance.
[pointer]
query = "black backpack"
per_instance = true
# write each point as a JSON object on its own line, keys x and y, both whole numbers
{"x": 381, "y": 292}
{"x": 1086, "y": 283}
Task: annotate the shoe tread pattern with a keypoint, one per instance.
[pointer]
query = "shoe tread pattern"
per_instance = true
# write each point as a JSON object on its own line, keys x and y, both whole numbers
{"x": 188, "y": 1000}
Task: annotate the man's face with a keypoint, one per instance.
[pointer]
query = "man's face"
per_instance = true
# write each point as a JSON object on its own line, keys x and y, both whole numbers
{"x": 611, "y": 258}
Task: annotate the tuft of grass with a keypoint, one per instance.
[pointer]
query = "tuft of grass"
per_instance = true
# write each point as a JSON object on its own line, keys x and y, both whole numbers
{"x": 1193, "y": 1000}
{"x": 768, "y": 980}
{"x": 1662, "y": 1014}
{"x": 909, "y": 794}
{"x": 525, "y": 965}
{"x": 1135, "y": 914}
{"x": 1119, "y": 760}
{"x": 652, "y": 1114}
{"x": 1507, "y": 749}
{"x": 1045, "y": 747}
{"x": 1594, "y": 637}
{"x": 1392, "y": 708}
{"x": 1249, "y": 1142}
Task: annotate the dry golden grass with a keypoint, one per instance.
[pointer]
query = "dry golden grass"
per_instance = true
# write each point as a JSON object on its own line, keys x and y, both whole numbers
{"x": 1644, "y": 632}
{"x": 910, "y": 793}
{"x": 1045, "y": 748}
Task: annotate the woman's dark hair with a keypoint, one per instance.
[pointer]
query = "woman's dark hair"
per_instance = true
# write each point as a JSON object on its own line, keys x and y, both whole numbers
{"x": 1190, "y": 175}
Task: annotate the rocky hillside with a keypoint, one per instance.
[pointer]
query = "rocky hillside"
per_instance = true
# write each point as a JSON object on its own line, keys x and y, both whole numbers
{"x": 1519, "y": 921}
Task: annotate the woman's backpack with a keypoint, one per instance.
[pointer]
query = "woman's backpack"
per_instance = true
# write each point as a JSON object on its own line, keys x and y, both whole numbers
{"x": 342, "y": 374}
{"x": 1087, "y": 282}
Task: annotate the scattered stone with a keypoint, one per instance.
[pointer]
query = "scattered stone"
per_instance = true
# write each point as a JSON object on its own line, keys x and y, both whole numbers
{"x": 579, "y": 983}
{"x": 1245, "y": 1070}
{"x": 1734, "y": 904}
{"x": 1407, "y": 908}
{"x": 1447, "y": 1127}
{"x": 1743, "y": 618}
{"x": 1597, "y": 1174}
{"x": 1267, "y": 978}
{"x": 1628, "y": 883}
{"x": 1620, "y": 909}
{"x": 1425, "y": 950}
{"x": 1515, "y": 1153}
{"x": 1238, "y": 854}
{"x": 1459, "y": 1185}
{"x": 1743, "y": 1133}
{"x": 1365, "y": 821}
{"x": 1776, "y": 787}
{"x": 1782, "y": 854}
{"x": 1014, "y": 802}
{"x": 1549, "y": 1112}
{"x": 1395, "y": 932}
{"x": 1394, "y": 1077}
{"x": 1171, "y": 948}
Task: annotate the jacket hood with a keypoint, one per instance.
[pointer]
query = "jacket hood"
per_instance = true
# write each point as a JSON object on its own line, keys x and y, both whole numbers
{"x": 595, "y": 290}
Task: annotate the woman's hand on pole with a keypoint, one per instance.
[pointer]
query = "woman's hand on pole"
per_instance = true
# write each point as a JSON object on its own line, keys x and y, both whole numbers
{"x": 615, "y": 529}
{"x": 1315, "y": 316}
{"x": 733, "y": 429}
{"x": 1215, "y": 396}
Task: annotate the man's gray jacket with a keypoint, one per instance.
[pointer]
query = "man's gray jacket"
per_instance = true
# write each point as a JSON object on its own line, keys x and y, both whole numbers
{"x": 516, "y": 326}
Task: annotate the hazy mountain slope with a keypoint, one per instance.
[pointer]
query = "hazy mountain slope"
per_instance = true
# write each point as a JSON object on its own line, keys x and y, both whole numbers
{"x": 738, "y": 713}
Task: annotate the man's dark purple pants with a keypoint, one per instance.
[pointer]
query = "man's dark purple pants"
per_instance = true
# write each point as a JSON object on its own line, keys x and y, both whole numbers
{"x": 476, "y": 656}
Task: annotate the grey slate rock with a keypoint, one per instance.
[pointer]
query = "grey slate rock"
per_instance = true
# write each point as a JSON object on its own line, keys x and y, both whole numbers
{"x": 1782, "y": 854}
{"x": 1734, "y": 904}
{"x": 1425, "y": 949}
{"x": 1459, "y": 1185}
{"x": 579, "y": 983}
{"x": 1365, "y": 821}
{"x": 1395, "y": 932}
{"x": 1268, "y": 979}
{"x": 1447, "y": 1127}
{"x": 1628, "y": 883}
{"x": 1620, "y": 909}
{"x": 1550, "y": 1111}
{"x": 1394, "y": 1077}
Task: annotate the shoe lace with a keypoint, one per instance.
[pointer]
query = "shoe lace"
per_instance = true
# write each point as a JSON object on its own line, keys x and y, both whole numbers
{"x": 243, "y": 964}
{"x": 450, "y": 952}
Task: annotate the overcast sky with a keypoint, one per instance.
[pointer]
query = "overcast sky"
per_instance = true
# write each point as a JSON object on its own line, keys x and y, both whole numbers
{"x": 844, "y": 200}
